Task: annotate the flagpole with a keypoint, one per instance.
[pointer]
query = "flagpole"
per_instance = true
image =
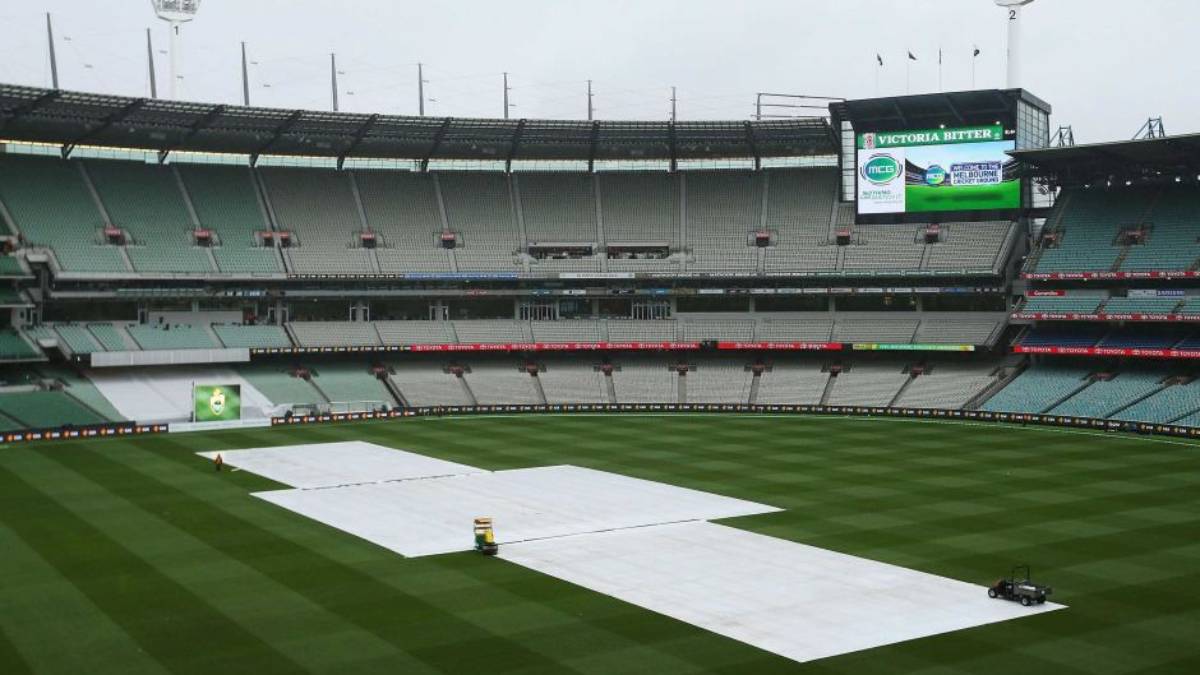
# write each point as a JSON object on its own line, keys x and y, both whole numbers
{"x": 974, "y": 59}
{"x": 908, "y": 75}
{"x": 940, "y": 89}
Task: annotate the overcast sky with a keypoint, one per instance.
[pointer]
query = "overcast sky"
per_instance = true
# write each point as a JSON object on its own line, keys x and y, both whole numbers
{"x": 1104, "y": 65}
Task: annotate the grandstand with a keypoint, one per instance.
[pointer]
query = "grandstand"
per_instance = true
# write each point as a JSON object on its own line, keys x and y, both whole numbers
{"x": 718, "y": 381}
{"x": 49, "y": 203}
{"x": 573, "y": 380}
{"x": 146, "y": 203}
{"x": 1122, "y": 229}
{"x": 867, "y": 384}
{"x": 159, "y": 212}
{"x": 227, "y": 204}
{"x": 402, "y": 210}
{"x": 792, "y": 381}
{"x": 524, "y": 285}
{"x": 319, "y": 210}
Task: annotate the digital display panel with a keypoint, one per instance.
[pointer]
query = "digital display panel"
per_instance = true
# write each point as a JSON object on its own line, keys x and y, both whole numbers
{"x": 936, "y": 170}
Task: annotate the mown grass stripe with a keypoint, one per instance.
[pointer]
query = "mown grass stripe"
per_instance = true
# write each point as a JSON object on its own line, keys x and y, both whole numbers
{"x": 635, "y": 630}
{"x": 1109, "y": 519}
{"x": 11, "y": 662}
{"x": 144, "y": 602}
{"x": 42, "y": 611}
{"x": 274, "y": 614}
{"x": 416, "y": 627}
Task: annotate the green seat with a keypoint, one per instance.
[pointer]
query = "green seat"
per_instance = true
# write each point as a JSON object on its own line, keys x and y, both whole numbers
{"x": 14, "y": 347}
{"x": 47, "y": 409}
{"x": 51, "y": 206}
{"x": 146, "y": 202}
{"x": 226, "y": 203}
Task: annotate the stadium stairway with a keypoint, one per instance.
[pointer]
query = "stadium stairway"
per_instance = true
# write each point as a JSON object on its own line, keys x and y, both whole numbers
{"x": 466, "y": 389}
{"x": 1087, "y": 382}
{"x": 828, "y": 390}
{"x": 912, "y": 377}
{"x": 538, "y": 389}
{"x": 392, "y": 388}
{"x": 1007, "y": 375}
{"x": 317, "y": 388}
{"x": 1115, "y": 414}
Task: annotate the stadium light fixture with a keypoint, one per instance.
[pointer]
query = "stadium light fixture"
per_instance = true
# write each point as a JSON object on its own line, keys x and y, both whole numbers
{"x": 175, "y": 13}
{"x": 1013, "y": 7}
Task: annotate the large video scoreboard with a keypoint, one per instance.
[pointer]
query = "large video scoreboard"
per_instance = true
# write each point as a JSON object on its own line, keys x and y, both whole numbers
{"x": 938, "y": 157}
{"x": 933, "y": 170}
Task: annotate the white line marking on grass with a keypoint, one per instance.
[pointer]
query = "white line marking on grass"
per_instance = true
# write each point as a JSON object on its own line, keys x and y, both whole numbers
{"x": 855, "y": 418}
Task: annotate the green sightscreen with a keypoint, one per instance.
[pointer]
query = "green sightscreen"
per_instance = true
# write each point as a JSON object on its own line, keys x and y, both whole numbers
{"x": 217, "y": 402}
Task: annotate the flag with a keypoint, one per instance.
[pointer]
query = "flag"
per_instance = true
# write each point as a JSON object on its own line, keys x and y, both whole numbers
{"x": 911, "y": 57}
{"x": 977, "y": 52}
{"x": 879, "y": 59}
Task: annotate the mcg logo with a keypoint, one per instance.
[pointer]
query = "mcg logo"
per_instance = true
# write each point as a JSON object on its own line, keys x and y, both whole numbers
{"x": 880, "y": 169}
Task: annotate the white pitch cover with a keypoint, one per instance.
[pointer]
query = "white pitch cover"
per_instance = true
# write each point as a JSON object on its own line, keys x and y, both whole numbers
{"x": 797, "y": 601}
{"x": 640, "y": 541}
{"x": 434, "y": 515}
{"x": 320, "y": 465}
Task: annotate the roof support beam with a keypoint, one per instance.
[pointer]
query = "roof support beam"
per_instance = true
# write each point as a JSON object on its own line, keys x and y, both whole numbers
{"x": 515, "y": 145}
{"x": 196, "y": 127}
{"x": 359, "y": 135}
{"x": 279, "y": 131}
{"x": 593, "y": 141}
{"x": 671, "y": 142}
{"x": 127, "y": 110}
{"x": 437, "y": 143}
{"x": 753, "y": 145}
{"x": 22, "y": 110}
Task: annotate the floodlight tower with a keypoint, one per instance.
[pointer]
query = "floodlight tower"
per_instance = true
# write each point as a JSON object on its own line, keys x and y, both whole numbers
{"x": 1013, "y": 7}
{"x": 175, "y": 13}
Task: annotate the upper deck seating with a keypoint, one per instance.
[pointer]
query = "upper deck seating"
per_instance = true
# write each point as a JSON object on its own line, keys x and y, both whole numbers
{"x": 145, "y": 201}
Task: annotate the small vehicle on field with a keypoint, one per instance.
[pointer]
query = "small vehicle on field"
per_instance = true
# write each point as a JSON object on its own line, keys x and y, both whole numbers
{"x": 1020, "y": 588}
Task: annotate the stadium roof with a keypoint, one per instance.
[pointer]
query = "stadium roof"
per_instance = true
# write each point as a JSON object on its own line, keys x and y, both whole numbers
{"x": 1164, "y": 155}
{"x": 958, "y": 108}
{"x": 74, "y": 118}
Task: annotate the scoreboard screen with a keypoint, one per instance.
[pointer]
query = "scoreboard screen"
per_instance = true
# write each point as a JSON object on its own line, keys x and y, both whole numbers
{"x": 935, "y": 170}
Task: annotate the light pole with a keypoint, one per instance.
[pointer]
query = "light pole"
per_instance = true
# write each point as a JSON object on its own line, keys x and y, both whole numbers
{"x": 175, "y": 13}
{"x": 506, "y": 90}
{"x": 1013, "y": 7}
{"x": 421, "y": 82}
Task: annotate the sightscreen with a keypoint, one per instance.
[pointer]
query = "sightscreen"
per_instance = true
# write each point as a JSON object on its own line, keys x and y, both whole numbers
{"x": 937, "y": 170}
{"x": 217, "y": 402}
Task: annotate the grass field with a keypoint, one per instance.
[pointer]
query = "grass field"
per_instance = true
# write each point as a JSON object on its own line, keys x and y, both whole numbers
{"x": 132, "y": 556}
{"x": 923, "y": 198}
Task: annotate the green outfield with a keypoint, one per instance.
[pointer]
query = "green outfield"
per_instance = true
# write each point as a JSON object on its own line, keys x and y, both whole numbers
{"x": 925, "y": 198}
{"x": 133, "y": 556}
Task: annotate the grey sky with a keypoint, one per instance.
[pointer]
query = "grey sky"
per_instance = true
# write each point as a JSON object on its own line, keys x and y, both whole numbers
{"x": 1104, "y": 65}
